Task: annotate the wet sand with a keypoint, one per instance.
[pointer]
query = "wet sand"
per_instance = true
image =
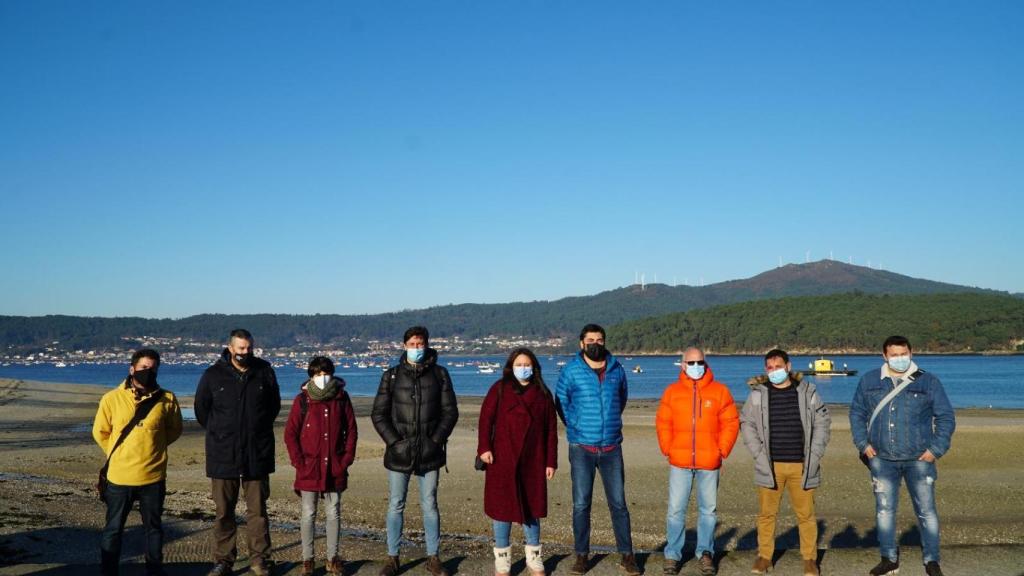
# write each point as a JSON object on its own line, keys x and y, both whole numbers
{"x": 50, "y": 518}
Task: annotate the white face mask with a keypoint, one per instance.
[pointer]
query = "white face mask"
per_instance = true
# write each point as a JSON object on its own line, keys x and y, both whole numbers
{"x": 321, "y": 381}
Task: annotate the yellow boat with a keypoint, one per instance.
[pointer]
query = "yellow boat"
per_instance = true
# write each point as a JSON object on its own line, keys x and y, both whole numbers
{"x": 825, "y": 367}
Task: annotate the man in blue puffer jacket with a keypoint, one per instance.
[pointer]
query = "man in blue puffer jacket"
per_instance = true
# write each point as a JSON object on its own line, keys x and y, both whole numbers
{"x": 592, "y": 394}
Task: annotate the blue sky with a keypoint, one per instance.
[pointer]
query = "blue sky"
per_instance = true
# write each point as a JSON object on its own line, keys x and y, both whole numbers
{"x": 167, "y": 159}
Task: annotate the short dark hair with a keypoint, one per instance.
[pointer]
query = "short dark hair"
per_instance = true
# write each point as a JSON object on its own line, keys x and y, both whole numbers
{"x": 420, "y": 331}
{"x": 241, "y": 333}
{"x": 895, "y": 341}
{"x": 146, "y": 353}
{"x": 320, "y": 364}
{"x": 591, "y": 328}
{"x": 776, "y": 353}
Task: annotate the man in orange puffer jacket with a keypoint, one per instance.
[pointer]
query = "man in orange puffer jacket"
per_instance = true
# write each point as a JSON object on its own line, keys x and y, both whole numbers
{"x": 697, "y": 424}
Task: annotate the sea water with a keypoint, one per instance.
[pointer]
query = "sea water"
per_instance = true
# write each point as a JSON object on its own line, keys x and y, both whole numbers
{"x": 970, "y": 381}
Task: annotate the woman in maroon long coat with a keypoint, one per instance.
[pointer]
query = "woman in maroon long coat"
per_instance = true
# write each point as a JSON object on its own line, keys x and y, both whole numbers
{"x": 518, "y": 440}
{"x": 321, "y": 438}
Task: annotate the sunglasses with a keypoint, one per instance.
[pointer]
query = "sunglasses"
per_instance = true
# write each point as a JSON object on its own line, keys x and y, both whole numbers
{"x": 695, "y": 363}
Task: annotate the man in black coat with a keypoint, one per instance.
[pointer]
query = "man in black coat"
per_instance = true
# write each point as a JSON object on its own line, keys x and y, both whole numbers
{"x": 414, "y": 412}
{"x": 237, "y": 401}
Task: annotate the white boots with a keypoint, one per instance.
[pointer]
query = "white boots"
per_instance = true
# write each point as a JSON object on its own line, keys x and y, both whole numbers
{"x": 534, "y": 561}
{"x": 502, "y": 561}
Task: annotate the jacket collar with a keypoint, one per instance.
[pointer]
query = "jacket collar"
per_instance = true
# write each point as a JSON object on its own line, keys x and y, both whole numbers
{"x": 908, "y": 374}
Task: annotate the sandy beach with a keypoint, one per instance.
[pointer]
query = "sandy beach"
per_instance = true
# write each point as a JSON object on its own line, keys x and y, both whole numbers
{"x": 50, "y": 518}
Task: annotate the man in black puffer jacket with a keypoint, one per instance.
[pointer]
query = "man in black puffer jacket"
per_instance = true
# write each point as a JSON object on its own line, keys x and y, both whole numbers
{"x": 414, "y": 412}
{"x": 237, "y": 401}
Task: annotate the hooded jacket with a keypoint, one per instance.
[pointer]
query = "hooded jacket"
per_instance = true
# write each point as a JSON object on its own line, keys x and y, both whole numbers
{"x": 414, "y": 412}
{"x": 697, "y": 422}
{"x": 814, "y": 418}
{"x": 591, "y": 409}
{"x": 238, "y": 410}
{"x": 322, "y": 445}
{"x": 142, "y": 458}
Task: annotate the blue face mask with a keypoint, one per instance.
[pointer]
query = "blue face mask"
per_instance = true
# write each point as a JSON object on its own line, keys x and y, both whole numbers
{"x": 522, "y": 373}
{"x": 696, "y": 372}
{"x": 414, "y": 355}
{"x": 778, "y": 376}
{"x": 899, "y": 363}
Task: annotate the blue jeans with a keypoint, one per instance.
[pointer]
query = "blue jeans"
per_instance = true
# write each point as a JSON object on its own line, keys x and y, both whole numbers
{"x": 398, "y": 483}
{"x": 680, "y": 483}
{"x": 503, "y": 533}
{"x": 119, "y": 504}
{"x": 920, "y": 478}
{"x": 583, "y": 465}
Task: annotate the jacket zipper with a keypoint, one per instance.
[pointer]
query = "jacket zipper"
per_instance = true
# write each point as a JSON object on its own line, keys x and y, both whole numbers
{"x": 693, "y": 430}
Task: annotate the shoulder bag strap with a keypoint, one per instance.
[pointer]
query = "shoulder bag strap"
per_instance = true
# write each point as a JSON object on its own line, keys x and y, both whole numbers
{"x": 890, "y": 397}
{"x": 141, "y": 411}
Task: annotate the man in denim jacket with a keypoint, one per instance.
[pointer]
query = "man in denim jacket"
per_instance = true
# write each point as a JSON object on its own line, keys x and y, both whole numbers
{"x": 902, "y": 439}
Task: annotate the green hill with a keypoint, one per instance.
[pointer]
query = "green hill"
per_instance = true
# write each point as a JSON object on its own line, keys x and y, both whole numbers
{"x": 853, "y": 322}
{"x": 541, "y": 319}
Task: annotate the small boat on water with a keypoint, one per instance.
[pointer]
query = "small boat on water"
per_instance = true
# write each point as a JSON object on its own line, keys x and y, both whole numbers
{"x": 826, "y": 367}
{"x": 638, "y": 370}
{"x": 486, "y": 369}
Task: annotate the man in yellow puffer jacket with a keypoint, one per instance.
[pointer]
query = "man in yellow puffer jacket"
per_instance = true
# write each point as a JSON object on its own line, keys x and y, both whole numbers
{"x": 138, "y": 467}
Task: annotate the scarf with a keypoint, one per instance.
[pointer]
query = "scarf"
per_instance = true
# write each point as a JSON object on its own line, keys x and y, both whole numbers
{"x": 327, "y": 393}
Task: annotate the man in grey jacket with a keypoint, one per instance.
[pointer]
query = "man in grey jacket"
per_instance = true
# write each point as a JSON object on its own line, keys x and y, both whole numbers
{"x": 785, "y": 425}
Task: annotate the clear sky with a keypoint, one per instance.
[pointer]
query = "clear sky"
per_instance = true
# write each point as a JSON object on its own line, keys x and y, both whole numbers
{"x": 173, "y": 158}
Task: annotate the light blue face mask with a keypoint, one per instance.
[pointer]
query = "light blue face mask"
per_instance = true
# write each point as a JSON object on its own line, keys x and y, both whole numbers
{"x": 696, "y": 372}
{"x": 522, "y": 373}
{"x": 899, "y": 364}
{"x": 414, "y": 355}
{"x": 778, "y": 376}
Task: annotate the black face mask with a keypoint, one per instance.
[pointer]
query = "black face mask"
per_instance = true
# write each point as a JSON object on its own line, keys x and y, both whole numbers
{"x": 145, "y": 378}
{"x": 594, "y": 351}
{"x": 243, "y": 359}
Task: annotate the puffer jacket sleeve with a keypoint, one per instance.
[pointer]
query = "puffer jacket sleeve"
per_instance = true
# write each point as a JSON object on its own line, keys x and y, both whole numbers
{"x": 728, "y": 423}
{"x": 663, "y": 421}
{"x": 381, "y": 413}
{"x": 623, "y": 393}
{"x": 449, "y": 408}
{"x": 563, "y": 395}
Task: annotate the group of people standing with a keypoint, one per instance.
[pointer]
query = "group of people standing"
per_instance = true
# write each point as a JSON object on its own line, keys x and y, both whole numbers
{"x": 900, "y": 418}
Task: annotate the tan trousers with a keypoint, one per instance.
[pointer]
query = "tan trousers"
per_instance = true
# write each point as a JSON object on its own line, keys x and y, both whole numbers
{"x": 257, "y": 525}
{"x": 789, "y": 477}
